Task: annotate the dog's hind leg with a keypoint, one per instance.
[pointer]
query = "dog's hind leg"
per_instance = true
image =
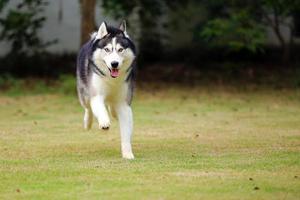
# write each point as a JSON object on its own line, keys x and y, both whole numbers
{"x": 88, "y": 118}
{"x": 84, "y": 101}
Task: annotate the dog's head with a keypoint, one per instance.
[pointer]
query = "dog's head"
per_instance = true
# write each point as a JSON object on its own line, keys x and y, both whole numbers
{"x": 113, "y": 49}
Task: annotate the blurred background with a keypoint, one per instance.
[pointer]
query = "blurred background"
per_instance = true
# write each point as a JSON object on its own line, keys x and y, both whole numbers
{"x": 188, "y": 42}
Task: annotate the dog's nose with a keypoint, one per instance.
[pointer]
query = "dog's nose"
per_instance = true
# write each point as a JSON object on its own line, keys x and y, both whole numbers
{"x": 114, "y": 64}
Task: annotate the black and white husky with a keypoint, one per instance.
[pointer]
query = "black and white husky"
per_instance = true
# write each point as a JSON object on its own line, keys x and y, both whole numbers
{"x": 105, "y": 73}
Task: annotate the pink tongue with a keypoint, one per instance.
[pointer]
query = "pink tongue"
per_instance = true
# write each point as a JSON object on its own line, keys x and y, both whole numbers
{"x": 114, "y": 73}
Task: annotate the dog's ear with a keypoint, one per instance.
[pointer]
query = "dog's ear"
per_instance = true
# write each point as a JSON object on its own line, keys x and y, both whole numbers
{"x": 102, "y": 31}
{"x": 123, "y": 28}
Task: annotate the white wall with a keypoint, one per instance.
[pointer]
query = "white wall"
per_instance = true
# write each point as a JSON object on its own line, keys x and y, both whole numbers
{"x": 67, "y": 31}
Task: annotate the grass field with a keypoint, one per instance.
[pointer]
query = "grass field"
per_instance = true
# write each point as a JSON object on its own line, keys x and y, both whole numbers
{"x": 189, "y": 143}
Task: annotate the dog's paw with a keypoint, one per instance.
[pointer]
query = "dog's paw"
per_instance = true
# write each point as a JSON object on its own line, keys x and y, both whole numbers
{"x": 104, "y": 125}
{"x": 128, "y": 155}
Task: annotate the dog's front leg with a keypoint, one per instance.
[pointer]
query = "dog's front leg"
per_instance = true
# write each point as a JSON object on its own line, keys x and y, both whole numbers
{"x": 124, "y": 114}
{"x": 100, "y": 112}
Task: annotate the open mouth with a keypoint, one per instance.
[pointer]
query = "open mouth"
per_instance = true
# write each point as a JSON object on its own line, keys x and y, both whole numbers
{"x": 114, "y": 73}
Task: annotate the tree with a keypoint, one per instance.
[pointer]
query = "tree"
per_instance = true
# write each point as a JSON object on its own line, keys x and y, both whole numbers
{"x": 242, "y": 24}
{"x": 87, "y": 9}
{"x": 20, "y": 26}
{"x": 275, "y": 13}
{"x": 238, "y": 32}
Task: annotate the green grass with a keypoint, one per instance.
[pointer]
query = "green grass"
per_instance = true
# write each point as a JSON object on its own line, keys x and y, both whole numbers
{"x": 189, "y": 143}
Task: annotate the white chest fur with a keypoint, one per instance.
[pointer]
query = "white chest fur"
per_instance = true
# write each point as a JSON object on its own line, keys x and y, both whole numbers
{"x": 111, "y": 89}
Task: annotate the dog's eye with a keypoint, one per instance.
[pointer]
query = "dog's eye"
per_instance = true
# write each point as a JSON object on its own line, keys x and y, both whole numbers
{"x": 120, "y": 50}
{"x": 106, "y": 49}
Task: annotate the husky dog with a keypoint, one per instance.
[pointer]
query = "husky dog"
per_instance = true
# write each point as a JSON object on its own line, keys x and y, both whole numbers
{"x": 105, "y": 75}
